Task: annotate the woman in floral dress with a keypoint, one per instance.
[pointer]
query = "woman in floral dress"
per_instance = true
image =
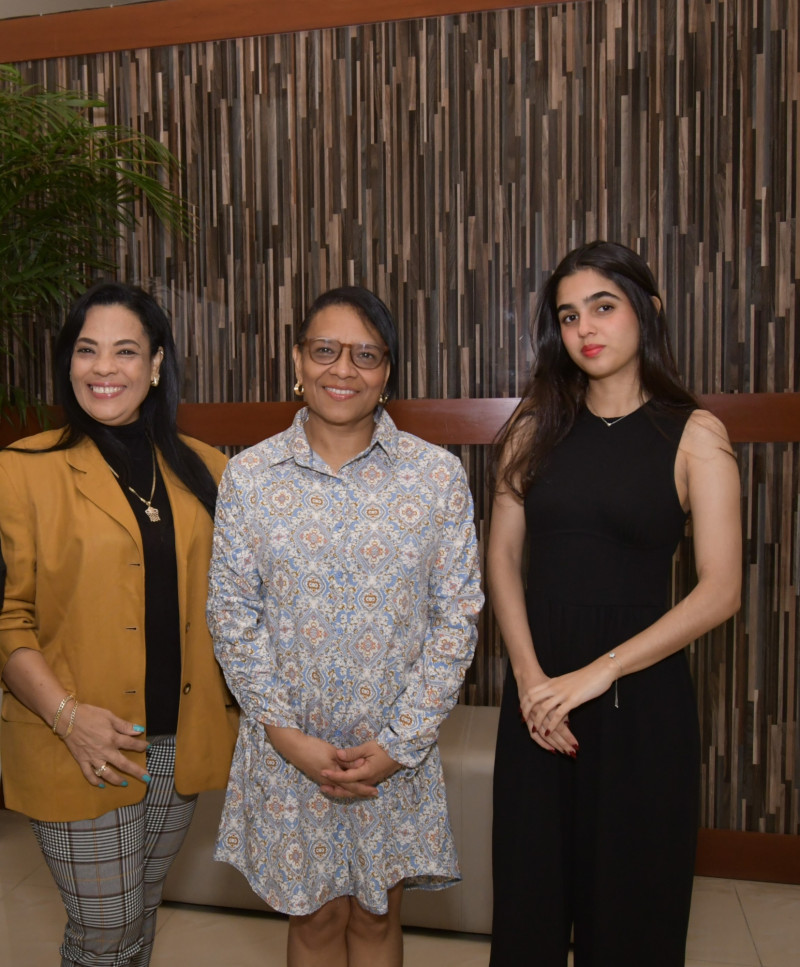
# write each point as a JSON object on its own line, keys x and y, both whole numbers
{"x": 344, "y": 596}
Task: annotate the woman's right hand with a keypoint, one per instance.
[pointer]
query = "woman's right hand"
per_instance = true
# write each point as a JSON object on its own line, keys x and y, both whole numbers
{"x": 559, "y": 739}
{"x": 311, "y": 756}
{"x": 99, "y": 738}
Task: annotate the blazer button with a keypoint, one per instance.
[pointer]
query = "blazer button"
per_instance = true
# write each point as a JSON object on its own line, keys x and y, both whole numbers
{"x": 187, "y": 688}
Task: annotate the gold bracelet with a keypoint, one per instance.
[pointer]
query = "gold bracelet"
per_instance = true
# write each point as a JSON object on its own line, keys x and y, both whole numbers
{"x": 71, "y": 720}
{"x": 60, "y": 709}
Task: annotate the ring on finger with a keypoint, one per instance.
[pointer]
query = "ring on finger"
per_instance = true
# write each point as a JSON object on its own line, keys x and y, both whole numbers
{"x": 101, "y": 770}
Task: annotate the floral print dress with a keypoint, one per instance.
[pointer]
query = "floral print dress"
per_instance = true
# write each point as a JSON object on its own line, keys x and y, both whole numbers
{"x": 343, "y": 605}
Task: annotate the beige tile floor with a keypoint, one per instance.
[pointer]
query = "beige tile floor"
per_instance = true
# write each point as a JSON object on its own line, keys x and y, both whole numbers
{"x": 734, "y": 922}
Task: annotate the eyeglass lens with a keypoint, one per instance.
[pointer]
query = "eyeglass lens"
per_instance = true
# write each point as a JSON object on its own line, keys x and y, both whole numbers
{"x": 364, "y": 355}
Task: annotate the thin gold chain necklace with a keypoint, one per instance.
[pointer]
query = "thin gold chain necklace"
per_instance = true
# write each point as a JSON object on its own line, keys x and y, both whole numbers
{"x": 152, "y": 512}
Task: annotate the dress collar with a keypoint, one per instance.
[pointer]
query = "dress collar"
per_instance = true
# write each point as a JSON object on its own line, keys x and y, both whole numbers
{"x": 385, "y": 435}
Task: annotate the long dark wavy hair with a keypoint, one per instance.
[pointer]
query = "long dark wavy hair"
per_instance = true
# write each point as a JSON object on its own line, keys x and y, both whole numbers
{"x": 372, "y": 311}
{"x": 556, "y": 388}
{"x": 159, "y": 409}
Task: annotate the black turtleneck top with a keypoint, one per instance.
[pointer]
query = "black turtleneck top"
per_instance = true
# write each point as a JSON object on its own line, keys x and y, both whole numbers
{"x": 161, "y": 611}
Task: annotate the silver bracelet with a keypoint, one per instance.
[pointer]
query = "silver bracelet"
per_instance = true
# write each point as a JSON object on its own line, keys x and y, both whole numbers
{"x": 613, "y": 656}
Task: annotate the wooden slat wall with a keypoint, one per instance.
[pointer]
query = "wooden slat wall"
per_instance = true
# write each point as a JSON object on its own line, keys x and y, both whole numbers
{"x": 448, "y": 163}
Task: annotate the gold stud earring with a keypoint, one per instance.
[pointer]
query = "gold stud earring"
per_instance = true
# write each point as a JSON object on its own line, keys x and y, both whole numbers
{"x": 299, "y": 389}
{"x": 383, "y": 399}
{"x": 156, "y": 379}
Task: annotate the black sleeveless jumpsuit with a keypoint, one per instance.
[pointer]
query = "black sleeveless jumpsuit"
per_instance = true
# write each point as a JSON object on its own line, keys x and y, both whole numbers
{"x": 605, "y": 842}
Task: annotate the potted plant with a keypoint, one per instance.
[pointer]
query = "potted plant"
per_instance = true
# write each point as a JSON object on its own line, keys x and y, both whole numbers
{"x": 68, "y": 189}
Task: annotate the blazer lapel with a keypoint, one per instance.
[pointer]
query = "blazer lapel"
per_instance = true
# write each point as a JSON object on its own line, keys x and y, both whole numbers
{"x": 97, "y": 483}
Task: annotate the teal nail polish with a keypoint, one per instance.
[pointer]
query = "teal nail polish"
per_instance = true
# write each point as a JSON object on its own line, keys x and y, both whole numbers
{"x": 146, "y": 778}
{"x": 124, "y": 782}
{"x": 138, "y": 728}
{"x": 101, "y": 785}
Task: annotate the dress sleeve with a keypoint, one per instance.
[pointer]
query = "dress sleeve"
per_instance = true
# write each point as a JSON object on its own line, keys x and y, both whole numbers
{"x": 17, "y": 534}
{"x": 454, "y": 603}
{"x": 236, "y": 613}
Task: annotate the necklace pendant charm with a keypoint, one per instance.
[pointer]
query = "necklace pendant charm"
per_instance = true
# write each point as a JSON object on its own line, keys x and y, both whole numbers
{"x": 153, "y": 514}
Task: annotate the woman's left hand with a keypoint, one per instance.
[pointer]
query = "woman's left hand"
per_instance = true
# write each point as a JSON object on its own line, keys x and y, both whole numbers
{"x": 362, "y": 766}
{"x": 547, "y": 705}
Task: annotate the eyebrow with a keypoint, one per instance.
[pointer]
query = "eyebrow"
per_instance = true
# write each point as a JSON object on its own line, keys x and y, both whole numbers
{"x": 602, "y": 294}
{"x": 119, "y": 342}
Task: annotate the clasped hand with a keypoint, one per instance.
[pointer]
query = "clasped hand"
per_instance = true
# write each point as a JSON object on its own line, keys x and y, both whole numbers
{"x": 546, "y": 706}
{"x": 352, "y": 773}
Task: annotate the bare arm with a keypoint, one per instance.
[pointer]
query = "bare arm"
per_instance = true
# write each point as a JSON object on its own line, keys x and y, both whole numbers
{"x": 708, "y": 482}
{"x": 97, "y": 737}
{"x": 504, "y": 576}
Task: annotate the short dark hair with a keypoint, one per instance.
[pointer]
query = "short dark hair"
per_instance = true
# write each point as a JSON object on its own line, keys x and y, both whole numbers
{"x": 373, "y": 312}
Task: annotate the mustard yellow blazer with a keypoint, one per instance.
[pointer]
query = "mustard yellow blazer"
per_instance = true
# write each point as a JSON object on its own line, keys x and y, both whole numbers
{"x": 75, "y": 592}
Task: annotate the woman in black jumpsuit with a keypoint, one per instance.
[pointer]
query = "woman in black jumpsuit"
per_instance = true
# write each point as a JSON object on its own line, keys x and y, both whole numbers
{"x": 597, "y": 766}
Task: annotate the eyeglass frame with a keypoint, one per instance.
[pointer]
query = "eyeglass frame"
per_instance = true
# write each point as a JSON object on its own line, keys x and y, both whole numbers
{"x": 350, "y": 346}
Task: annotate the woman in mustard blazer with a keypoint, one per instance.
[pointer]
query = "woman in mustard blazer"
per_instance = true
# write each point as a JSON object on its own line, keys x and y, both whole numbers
{"x": 115, "y": 713}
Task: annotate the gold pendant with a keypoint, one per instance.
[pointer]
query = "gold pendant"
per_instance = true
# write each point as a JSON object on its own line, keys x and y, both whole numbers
{"x": 153, "y": 514}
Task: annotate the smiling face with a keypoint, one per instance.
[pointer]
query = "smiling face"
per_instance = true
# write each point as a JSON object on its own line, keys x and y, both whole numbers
{"x": 340, "y": 393}
{"x": 111, "y": 366}
{"x": 599, "y": 326}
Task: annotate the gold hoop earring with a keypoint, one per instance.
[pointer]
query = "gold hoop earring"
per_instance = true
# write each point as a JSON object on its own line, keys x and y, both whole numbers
{"x": 299, "y": 389}
{"x": 383, "y": 399}
{"x": 155, "y": 380}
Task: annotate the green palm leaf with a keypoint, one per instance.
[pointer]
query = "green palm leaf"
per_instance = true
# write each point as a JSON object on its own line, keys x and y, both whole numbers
{"x": 68, "y": 188}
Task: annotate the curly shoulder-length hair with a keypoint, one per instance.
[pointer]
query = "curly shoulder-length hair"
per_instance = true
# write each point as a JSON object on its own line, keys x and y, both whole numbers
{"x": 556, "y": 387}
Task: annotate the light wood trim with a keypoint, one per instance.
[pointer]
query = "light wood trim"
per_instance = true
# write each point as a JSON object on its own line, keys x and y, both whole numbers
{"x": 166, "y": 22}
{"x": 749, "y": 418}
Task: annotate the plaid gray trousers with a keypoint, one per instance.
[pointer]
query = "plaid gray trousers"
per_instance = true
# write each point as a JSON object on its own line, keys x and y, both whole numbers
{"x": 110, "y": 871}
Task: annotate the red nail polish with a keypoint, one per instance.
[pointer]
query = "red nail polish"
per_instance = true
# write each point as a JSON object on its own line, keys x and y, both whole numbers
{"x": 546, "y": 732}
{"x": 533, "y": 728}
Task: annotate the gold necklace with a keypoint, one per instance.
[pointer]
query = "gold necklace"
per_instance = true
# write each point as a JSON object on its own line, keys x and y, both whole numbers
{"x": 152, "y": 512}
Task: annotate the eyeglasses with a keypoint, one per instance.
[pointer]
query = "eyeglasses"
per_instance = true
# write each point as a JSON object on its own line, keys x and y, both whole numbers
{"x": 326, "y": 351}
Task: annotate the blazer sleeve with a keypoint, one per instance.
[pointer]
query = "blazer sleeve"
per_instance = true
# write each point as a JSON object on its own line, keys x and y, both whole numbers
{"x": 2, "y": 577}
{"x": 18, "y": 540}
